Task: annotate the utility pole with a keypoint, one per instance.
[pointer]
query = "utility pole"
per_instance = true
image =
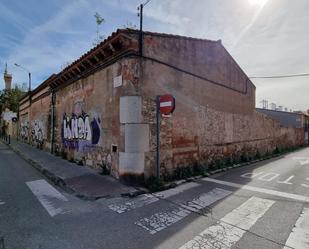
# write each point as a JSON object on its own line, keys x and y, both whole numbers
{"x": 141, "y": 29}
{"x": 140, "y": 14}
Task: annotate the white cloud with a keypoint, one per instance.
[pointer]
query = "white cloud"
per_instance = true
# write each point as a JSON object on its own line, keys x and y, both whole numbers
{"x": 49, "y": 45}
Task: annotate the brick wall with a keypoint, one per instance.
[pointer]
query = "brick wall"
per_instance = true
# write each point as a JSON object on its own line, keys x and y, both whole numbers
{"x": 211, "y": 121}
{"x": 88, "y": 128}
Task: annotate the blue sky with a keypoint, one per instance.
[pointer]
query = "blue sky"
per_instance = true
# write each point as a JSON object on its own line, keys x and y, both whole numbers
{"x": 265, "y": 37}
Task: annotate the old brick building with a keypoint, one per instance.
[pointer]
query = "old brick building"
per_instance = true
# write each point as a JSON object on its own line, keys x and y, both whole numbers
{"x": 100, "y": 110}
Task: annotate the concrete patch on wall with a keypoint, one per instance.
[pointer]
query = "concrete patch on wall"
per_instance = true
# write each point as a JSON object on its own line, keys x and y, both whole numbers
{"x": 130, "y": 109}
{"x": 131, "y": 163}
{"x": 136, "y": 138}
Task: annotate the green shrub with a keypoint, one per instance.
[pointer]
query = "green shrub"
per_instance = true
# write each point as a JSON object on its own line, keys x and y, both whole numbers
{"x": 244, "y": 158}
{"x": 258, "y": 155}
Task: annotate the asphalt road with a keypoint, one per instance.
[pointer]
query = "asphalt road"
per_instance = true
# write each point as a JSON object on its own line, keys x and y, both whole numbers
{"x": 265, "y": 205}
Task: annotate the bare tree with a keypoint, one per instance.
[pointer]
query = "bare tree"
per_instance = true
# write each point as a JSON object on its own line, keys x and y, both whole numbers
{"x": 99, "y": 21}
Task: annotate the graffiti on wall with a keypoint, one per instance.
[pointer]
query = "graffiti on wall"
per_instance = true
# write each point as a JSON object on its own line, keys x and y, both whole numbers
{"x": 80, "y": 131}
{"x": 37, "y": 131}
{"x": 24, "y": 130}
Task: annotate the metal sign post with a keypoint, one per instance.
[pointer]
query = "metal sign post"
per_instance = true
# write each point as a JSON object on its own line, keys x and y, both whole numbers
{"x": 165, "y": 105}
{"x": 158, "y": 135}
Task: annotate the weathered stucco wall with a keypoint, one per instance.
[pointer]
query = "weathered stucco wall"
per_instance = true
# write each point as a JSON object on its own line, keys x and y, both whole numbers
{"x": 197, "y": 134}
{"x": 211, "y": 121}
{"x": 88, "y": 128}
{"x": 210, "y": 73}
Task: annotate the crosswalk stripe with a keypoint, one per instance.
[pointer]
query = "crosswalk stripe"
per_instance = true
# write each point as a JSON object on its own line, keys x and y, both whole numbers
{"x": 140, "y": 201}
{"x": 162, "y": 220}
{"x": 47, "y": 195}
{"x": 147, "y": 199}
{"x": 225, "y": 233}
{"x": 299, "y": 237}
{"x": 260, "y": 190}
{"x": 175, "y": 191}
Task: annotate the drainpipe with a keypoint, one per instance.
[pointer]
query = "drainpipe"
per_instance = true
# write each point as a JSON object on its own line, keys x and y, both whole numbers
{"x": 53, "y": 121}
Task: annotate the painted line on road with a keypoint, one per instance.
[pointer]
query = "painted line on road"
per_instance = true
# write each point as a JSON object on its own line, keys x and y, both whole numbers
{"x": 48, "y": 196}
{"x": 2, "y": 202}
{"x": 299, "y": 237}
{"x": 140, "y": 201}
{"x": 302, "y": 160}
{"x": 260, "y": 190}
{"x": 229, "y": 230}
{"x": 147, "y": 199}
{"x": 162, "y": 220}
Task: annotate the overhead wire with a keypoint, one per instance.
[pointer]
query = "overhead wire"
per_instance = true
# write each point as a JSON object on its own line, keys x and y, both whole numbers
{"x": 280, "y": 76}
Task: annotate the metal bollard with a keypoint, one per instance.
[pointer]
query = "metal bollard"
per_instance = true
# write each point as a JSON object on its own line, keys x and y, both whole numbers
{"x": 1, "y": 242}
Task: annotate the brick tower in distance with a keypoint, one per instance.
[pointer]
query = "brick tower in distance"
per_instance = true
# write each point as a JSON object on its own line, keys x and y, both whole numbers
{"x": 7, "y": 78}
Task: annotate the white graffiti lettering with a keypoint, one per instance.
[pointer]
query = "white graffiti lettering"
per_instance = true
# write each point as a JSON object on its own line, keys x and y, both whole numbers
{"x": 24, "y": 130}
{"x": 37, "y": 131}
{"x": 77, "y": 128}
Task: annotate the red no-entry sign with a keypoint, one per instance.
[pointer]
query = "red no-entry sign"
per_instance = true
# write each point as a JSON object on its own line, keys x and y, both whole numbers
{"x": 166, "y": 104}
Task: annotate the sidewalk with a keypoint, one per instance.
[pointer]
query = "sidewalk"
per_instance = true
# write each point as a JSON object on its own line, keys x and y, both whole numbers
{"x": 79, "y": 180}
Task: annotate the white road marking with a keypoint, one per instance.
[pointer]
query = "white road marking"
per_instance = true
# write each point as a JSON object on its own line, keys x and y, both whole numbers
{"x": 2, "y": 202}
{"x": 306, "y": 185}
{"x": 229, "y": 230}
{"x": 302, "y": 160}
{"x": 268, "y": 177}
{"x": 287, "y": 181}
{"x": 252, "y": 175}
{"x": 299, "y": 237}
{"x": 162, "y": 220}
{"x": 48, "y": 196}
{"x": 146, "y": 199}
{"x": 139, "y": 201}
{"x": 260, "y": 190}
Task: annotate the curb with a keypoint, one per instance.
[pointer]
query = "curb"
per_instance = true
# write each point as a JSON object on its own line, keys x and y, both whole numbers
{"x": 213, "y": 172}
{"x": 55, "y": 179}
{"x": 61, "y": 182}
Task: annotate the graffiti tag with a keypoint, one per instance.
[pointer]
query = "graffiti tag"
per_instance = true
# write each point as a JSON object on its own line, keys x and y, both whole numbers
{"x": 79, "y": 132}
{"x": 77, "y": 128}
{"x": 24, "y": 129}
{"x": 37, "y": 131}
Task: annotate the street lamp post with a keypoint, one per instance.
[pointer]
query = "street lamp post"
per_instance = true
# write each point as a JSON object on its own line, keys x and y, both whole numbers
{"x": 29, "y": 74}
